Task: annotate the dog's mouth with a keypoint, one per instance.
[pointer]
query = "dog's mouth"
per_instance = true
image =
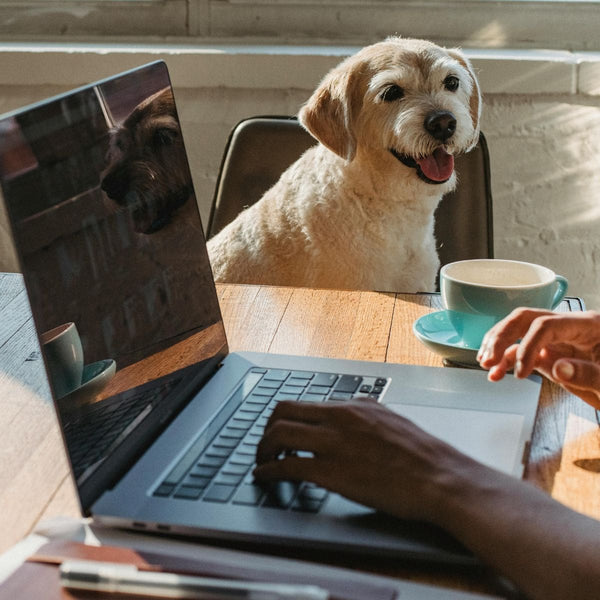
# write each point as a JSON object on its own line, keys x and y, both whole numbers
{"x": 435, "y": 168}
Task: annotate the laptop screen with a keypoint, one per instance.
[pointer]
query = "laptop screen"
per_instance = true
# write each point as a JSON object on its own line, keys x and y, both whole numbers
{"x": 107, "y": 230}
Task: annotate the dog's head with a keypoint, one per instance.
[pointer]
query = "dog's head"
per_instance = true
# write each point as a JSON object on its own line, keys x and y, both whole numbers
{"x": 147, "y": 172}
{"x": 403, "y": 100}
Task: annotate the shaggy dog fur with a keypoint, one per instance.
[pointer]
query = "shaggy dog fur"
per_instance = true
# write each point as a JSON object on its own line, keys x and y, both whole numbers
{"x": 148, "y": 173}
{"x": 356, "y": 211}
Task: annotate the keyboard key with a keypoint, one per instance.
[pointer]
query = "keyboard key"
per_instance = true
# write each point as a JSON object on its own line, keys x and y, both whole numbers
{"x": 257, "y": 430}
{"x": 202, "y": 471}
{"x": 313, "y": 492}
{"x": 239, "y": 424}
{"x": 197, "y": 482}
{"x": 242, "y": 415}
{"x": 242, "y": 459}
{"x": 298, "y": 382}
{"x": 276, "y": 375}
{"x": 313, "y": 397}
{"x": 213, "y": 461}
{"x": 233, "y": 433}
{"x": 189, "y": 492}
{"x": 318, "y": 389}
{"x": 235, "y": 469}
{"x": 377, "y": 390}
{"x": 164, "y": 490}
{"x": 340, "y": 396}
{"x": 292, "y": 389}
{"x": 279, "y": 396}
{"x": 365, "y": 389}
{"x": 222, "y": 442}
{"x": 252, "y": 407}
{"x": 380, "y": 381}
{"x": 233, "y": 480}
{"x": 280, "y": 494}
{"x": 265, "y": 385}
{"x": 264, "y": 391}
{"x": 219, "y": 493}
{"x": 248, "y": 448}
{"x": 348, "y": 383}
{"x": 326, "y": 379}
{"x": 249, "y": 494}
{"x": 305, "y": 375}
{"x": 260, "y": 398}
{"x": 218, "y": 453}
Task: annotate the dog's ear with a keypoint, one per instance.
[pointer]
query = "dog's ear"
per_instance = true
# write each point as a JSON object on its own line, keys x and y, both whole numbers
{"x": 475, "y": 100}
{"x": 328, "y": 115}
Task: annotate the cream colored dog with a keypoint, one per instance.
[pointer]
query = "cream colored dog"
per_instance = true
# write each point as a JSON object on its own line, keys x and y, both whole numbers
{"x": 356, "y": 210}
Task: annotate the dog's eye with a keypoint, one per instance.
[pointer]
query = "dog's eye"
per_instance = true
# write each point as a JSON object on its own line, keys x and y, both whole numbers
{"x": 392, "y": 93}
{"x": 164, "y": 136}
{"x": 451, "y": 83}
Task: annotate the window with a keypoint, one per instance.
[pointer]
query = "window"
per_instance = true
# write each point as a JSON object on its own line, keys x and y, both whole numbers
{"x": 548, "y": 24}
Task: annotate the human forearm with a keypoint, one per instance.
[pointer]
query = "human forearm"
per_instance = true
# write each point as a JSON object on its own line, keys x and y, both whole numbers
{"x": 547, "y": 550}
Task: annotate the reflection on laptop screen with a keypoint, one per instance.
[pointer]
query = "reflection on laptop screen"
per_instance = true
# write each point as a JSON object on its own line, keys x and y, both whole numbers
{"x": 109, "y": 237}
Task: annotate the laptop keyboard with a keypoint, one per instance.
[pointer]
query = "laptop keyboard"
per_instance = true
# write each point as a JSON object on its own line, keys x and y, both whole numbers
{"x": 99, "y": 426}
{"x": 222, "y": 471}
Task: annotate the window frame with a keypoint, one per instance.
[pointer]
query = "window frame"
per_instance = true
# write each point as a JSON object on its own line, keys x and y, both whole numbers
{"x": 549, "y": 24}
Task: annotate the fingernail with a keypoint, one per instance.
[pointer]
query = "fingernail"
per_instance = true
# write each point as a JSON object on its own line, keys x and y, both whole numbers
{"x": 518, "y": 368}
{"x": 565, "y": 370}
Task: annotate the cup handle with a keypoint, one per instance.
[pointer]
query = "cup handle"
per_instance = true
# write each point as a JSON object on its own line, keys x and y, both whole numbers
{"x": 561, "y": 290}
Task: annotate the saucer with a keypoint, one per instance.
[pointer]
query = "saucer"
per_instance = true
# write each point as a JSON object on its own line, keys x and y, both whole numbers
{"x": 437, "y": 333}
{"x": 93, "y": 380}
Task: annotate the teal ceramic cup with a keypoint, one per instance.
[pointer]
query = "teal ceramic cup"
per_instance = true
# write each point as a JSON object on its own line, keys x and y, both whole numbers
{"x": 479, "y": 293}
{"x": 64, "y": 358}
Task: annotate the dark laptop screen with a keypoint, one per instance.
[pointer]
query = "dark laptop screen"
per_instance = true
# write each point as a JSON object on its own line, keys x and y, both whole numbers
{"x": 108, "y": 233}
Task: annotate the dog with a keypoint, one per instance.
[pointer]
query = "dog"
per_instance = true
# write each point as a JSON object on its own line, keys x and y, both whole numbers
{"x": 147, "y": 172}
{"x": 356, "y": 211}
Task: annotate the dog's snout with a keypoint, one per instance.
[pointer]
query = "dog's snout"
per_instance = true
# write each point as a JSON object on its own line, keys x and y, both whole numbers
{"x": 115, "y": 184}
{"x": 440, "y": 124}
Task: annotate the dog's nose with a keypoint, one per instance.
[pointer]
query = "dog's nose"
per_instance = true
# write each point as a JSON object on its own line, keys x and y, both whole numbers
{"x": 441, "y": 124}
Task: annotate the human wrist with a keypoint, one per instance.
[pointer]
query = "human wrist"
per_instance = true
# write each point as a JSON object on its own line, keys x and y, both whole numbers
{"x": 460, "y": 487}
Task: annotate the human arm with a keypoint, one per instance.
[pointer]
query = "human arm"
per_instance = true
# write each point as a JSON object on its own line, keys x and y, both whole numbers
{"x": 565, "y": 347}
{"x": 374, "y": 456}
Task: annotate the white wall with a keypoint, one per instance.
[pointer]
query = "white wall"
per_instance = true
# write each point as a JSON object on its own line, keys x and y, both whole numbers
{"x": 543, "y": 139}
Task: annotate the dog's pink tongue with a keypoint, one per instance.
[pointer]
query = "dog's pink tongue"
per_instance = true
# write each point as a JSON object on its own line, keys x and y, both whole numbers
{"x": 438, "y": 166}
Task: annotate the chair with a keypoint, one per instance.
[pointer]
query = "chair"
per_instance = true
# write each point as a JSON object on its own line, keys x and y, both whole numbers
{"x": 259, "y": 149}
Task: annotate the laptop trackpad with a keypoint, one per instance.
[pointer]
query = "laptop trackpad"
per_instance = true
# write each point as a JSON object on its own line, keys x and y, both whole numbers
{"x": 492, "y": 438}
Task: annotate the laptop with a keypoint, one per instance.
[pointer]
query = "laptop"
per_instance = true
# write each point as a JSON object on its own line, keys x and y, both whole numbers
{"x": 162, "y": 430}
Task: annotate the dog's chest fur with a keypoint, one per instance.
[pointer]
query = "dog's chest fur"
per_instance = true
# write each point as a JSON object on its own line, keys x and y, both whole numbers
{"x": 339, "y": 226}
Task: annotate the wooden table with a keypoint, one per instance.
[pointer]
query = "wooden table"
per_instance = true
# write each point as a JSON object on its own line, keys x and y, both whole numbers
{"x": 34, "y": 478}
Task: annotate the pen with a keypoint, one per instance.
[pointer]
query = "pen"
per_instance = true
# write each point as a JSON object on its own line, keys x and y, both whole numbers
{"x": 128, "y": 579}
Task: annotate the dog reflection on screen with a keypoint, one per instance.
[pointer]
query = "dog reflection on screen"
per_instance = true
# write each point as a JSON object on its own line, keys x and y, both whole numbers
{"x": 147, "y": 174}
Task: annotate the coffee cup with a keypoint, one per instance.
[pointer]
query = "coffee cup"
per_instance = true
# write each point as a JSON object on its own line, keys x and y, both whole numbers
{"x": 64, "y": 358}
{"x": 480, "y": 292}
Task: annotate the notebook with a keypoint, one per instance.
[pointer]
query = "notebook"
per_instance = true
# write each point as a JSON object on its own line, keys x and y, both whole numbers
{"x": 162, "y": 424}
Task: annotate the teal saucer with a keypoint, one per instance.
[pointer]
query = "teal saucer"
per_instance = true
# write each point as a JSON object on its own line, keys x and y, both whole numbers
{"x": 439, "y": 335}
{"x": 94, "y": 379}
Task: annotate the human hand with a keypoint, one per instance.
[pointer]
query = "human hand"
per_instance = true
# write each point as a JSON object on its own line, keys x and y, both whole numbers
{"x": 361, "y": 450}
{"x": 565, "y": 347}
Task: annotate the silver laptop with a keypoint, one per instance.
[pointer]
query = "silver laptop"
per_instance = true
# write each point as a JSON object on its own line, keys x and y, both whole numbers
{"x": 162, "y": 429}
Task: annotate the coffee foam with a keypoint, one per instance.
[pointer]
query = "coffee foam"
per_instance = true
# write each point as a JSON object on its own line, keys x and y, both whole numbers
{"x": 499, "y": 274}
